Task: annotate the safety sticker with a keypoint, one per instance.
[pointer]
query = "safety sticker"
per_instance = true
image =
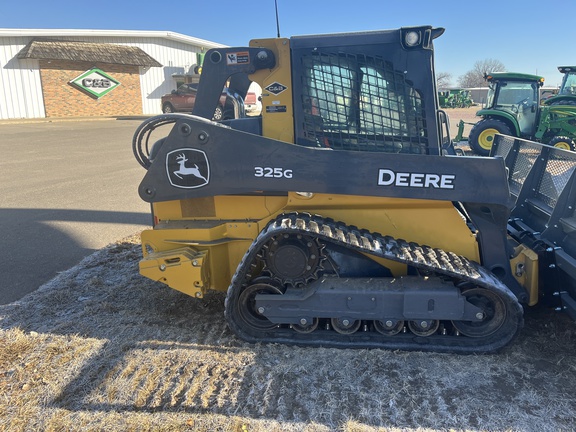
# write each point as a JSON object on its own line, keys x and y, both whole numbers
{"x": 238, "y": 58}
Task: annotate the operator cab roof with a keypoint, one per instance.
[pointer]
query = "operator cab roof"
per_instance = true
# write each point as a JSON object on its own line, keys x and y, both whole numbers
{"x": 513, "y": 76}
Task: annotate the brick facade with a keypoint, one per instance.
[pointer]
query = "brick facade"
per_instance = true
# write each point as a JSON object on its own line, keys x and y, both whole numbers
{"x": 63, "y": 100}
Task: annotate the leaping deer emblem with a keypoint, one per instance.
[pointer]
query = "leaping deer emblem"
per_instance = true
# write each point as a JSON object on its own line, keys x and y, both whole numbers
{"x": 185, "y": 171}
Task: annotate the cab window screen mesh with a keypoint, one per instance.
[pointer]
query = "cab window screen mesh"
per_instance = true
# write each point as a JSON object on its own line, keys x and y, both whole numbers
{"x": 360, "y": 103}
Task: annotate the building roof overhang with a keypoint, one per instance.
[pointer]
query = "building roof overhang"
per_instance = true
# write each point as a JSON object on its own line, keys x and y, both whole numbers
{"x": 87, "y": 52}
{"x": 60, "y": 33}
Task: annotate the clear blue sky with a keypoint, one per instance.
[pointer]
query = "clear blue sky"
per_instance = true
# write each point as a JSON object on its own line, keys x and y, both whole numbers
{"x": 525, "y": 35}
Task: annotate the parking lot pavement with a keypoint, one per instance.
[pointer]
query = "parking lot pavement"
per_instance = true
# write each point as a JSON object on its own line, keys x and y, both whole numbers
{"x": 67, "y": 188}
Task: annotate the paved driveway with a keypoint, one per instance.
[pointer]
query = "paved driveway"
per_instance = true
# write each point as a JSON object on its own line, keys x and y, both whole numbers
{"x": 67, "y": 188}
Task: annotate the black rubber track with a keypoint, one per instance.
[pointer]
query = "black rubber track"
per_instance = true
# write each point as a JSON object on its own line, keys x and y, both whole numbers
{"x": 427, "y": 259}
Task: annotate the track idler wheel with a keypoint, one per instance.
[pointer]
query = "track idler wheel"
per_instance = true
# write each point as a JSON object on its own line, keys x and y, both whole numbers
{"x": 247, "y": 305}
{"x": 492, "y": 318}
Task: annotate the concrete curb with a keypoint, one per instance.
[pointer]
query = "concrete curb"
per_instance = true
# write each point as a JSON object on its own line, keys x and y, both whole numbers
{"x": 71, "y": 119}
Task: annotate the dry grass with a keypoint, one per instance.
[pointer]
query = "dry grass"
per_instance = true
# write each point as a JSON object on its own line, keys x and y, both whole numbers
{"x": 101, "y": 348}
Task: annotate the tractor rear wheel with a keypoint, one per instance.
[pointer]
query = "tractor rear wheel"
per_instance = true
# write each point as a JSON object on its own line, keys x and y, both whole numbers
{"x": 482, "y": 135}
{"x": 563, "y": 142}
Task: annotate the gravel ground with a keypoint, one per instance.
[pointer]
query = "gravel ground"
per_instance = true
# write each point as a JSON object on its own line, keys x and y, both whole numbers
{"x": 466, "y": 114}
{"x": 101, "y": 348}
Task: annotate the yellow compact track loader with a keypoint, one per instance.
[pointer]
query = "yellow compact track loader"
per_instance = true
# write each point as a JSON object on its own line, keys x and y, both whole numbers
{"x": 339, "y": 216}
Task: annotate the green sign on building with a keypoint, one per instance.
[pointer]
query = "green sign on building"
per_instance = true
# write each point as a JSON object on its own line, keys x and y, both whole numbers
{"x": 95, "y": 82}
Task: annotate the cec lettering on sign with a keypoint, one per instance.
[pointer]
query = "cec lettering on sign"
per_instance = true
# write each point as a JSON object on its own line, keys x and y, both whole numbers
{"x": 95, "y": 82}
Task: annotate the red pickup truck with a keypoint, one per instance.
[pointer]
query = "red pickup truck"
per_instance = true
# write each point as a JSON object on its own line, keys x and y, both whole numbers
{"x": 252, "y": 105}
{"x": 183, "y": 99}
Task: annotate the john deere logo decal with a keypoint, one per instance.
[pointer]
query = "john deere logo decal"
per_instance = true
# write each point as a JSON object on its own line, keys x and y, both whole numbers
{"x": 187, "y": 168}
{"x": 276, "y": 88}
{"x": 95, "y": 82}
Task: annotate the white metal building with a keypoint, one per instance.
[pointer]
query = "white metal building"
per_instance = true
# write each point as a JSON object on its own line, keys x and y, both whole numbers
{"x": 21, "y": 92}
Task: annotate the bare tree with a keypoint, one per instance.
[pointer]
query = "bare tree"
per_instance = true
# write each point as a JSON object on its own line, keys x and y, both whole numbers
{"x": 443, "y": 80}
{"x": 475, "y": 76}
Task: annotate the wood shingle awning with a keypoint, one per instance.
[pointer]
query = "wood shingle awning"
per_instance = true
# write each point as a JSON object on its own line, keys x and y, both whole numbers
{"x": 87, "y": 52}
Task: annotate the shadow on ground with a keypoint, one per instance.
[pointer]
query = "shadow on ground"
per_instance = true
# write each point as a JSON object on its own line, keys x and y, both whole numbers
{"x": 37, "y": 246}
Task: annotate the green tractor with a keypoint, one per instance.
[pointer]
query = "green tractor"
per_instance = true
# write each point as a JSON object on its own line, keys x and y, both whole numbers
{"x": 444, "y": 98}
{"x": 513, "y": 108}
{"x": 455, "y": 98}
{"x": 567, "y": 93}
{"x": 462, "y": 99}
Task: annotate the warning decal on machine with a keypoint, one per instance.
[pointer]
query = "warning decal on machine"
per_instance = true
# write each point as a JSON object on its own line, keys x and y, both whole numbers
{"x": 238, "y": 58}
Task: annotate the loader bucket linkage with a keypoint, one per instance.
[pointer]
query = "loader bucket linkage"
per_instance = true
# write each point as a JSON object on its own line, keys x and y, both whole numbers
{"x": 542, "y": 181}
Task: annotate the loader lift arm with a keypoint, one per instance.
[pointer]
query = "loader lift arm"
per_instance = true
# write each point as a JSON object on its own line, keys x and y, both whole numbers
{"x": 234, "y": 65}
